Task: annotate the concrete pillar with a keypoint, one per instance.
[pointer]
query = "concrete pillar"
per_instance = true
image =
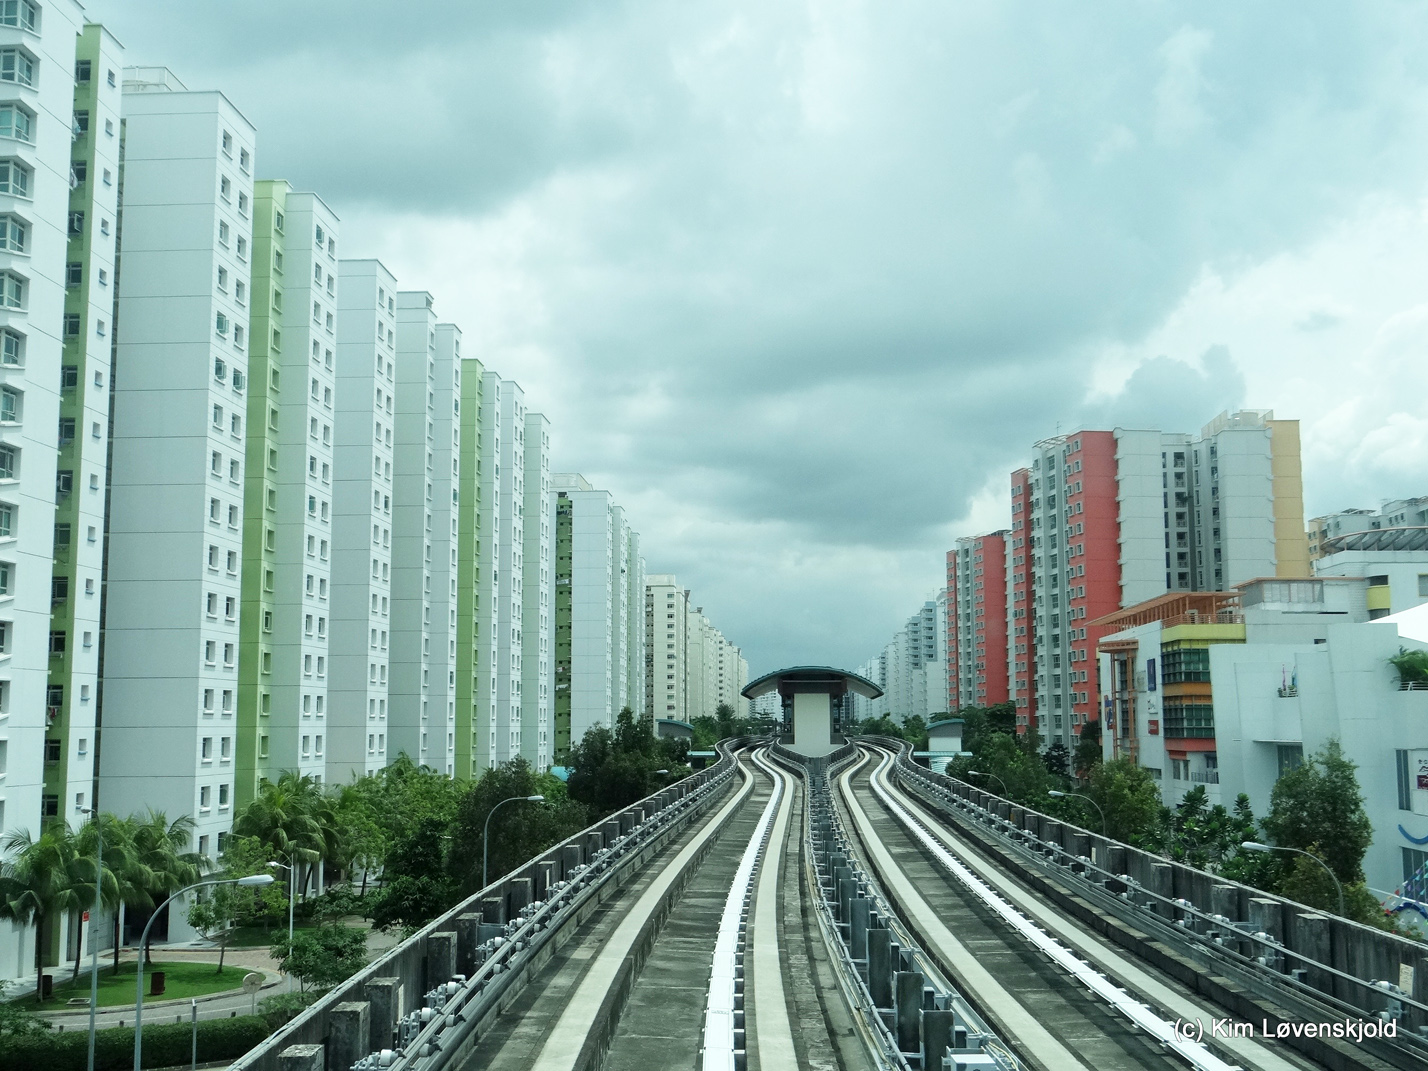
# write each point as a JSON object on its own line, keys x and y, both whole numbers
{"x": 350, "y": 1033}
{"x": 385, "y": 997}
{"x": 880, "y": 967}
{"x": 847, "y": 890}
{"x": 907, "y": 1008}
{"x": 593, "y": 843}
{"x": 301, "y": 1058}
{"x": 518, "y": 895}
{"x": 1225, "y": 900}
{"x": 1265, "y": 914}
{"x": 493, "y": 909}
{"x": 858, "y": 937}
{"x": 467, "y": 928}
{"x": 569, "y": 860}
{"x": 1310, "y": 937}
{"x": 938, "y": 1030}
{"x": 544, "y": 878}
{"x": 627, "y": 823}
{"x": 1161, "y": 882}
{"x": 611, "y": 831}
{"x": 440, "y": 958}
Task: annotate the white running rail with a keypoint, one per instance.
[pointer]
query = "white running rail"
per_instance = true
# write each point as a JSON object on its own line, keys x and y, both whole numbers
{"x": 1193, "y": 1052}
{"x": 722, "y": 1018}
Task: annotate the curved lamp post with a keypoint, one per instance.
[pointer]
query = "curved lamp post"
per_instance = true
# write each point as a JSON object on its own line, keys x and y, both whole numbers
{"x": 292, "y": 891}
{"x": 1105, "y": 826}
{"x": 486, "y": 829}
{"x": 251, "y": 879}
{"x": 994, "y": 777}
{"x": 1256, "y": 846}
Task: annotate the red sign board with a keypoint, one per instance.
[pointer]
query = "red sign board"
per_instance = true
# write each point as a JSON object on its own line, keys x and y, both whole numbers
{"x": 1153, "y": 726}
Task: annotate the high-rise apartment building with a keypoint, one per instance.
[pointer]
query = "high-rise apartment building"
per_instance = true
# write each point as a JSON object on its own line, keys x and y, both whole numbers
{"x": 584, "y": 644}
{"x": 436, "y": 744}
{"x": 537, "y": 579}
{"x": 667, "y": 611}
{"x": 285, "y": 610}
{"x": 362, "y": 514}
{"x": 1118, "y": 517}
{"x": 977, "y": 614}
{"x": 177, "y": 455}
{"x": 81, "y": 479}
{"x": 620, "y": 609}
{"x": 413, "y": 464}
{"x": 503, "y": 421}
{"x": 1021, "y": 645}
{"x": 636, "y": 677}
{"x": 57, "y": 232}
{"x": 475, "y": 714}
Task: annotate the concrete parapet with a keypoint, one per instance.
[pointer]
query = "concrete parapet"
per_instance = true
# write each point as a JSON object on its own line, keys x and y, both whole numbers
{"x": 880, "y": 967}
{"x": 569, "y": 860}
{"x": 493, "y": 909}
{"x": 518, "y": 895}
{"x": 1265, "y": 916}
{"x": 351, "y": 1033}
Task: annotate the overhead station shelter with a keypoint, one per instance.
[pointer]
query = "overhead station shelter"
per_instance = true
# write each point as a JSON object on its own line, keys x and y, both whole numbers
{"x": 808, "y": 693}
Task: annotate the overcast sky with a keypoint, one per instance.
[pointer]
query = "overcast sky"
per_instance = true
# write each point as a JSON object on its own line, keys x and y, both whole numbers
{"x": 800, "y": 283}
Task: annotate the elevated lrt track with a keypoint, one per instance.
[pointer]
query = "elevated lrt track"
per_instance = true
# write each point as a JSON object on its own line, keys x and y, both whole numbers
{"x": 1060, "y": 996}
{"x": 685, "y": 967}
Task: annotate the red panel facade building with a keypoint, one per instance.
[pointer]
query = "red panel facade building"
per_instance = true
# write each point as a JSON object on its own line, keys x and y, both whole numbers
{"x": 1022, "y": 651}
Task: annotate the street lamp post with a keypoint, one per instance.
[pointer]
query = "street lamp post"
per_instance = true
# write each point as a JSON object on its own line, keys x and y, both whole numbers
{"x": 292, "y": 887}
{"x": 93, "y": 813}
{"x": 1256, "y": 846}
{"x": 1105, "y": 826}
{"x": 486, "y": 829}
{"x": 994, "y": 777}
{"x": 251, "y": 879}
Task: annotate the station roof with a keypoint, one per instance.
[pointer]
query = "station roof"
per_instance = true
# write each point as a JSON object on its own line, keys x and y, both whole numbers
{"x": 812, "y": 679}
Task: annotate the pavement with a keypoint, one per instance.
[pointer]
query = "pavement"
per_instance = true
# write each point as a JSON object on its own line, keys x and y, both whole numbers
{"x": 221, "y": 1005}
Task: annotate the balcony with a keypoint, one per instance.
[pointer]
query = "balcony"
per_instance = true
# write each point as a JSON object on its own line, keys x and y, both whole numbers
{"x": 1205, "y": 777}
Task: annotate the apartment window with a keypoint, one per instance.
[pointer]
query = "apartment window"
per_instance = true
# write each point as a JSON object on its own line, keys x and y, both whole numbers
{"x": 12, "y": 348}
{"x": 243, "y": 157}
{"x": 205, "y": 750}
{"x": 232, "y": 563}
{"x": 25, "y": 15}
{"x": 203, "y": 796}
{"x": 12, "y": 290}
{"x": 223, "y": 234}
{"x": 242, "y": 248}
{"x": 16, "y": 122}
{"x": 108, "y": 177}
{"x": 14, "y": 234}
{"x": 8, "y": 456}
{"x": 227, "y": 144}
{"x": 220, "y": 325}
{"x": 18, "y": 66}
{"x": 14, "y": 178}
{"x": 225, "y": 187}
{"x": 11, "y": 405}
{"x": 78, "y": 174}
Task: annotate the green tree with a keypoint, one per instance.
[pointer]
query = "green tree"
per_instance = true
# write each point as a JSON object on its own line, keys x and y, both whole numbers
{"x": 217, "y": 910}
{"x": 1130, "y": 800}
{"x": 297, "y": 822}
{"x": 116, "y": 846}
{"x": 1057, "y": 759}
{"x": 1088, "y": 750}
{"x": 159, "y": 860}
{"x": 1317, "y": 807}
{"x": 322, "y": 957}
{"x": 611, "y": 770}
{"x": 40, "y": 879}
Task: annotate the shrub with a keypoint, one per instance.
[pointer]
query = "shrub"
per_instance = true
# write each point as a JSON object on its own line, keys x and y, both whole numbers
{"x": 281, "y": 1008}
{"x": 165, "y": 1045}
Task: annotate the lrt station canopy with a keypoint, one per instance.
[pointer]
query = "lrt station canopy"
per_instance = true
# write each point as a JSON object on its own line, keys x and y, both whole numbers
{"x": 809, "y": 691}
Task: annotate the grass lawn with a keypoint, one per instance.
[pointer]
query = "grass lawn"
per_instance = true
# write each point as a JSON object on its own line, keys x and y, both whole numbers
{"x": 257, "y": 937}
{"x": 181, "y": 980}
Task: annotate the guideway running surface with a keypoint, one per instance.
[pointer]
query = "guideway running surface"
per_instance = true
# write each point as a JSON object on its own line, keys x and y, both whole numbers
{"x": 1053, "y": 1020}
{"x": 1165, "y": 997}
{"x": 562, "y": 988}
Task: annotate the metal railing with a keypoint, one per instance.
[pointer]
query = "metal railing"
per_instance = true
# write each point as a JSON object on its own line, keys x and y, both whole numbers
{"x": 1242, "y": 933}
{"x": 493, "y": 934}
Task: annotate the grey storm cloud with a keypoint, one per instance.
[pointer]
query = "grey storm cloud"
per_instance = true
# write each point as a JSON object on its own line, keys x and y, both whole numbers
{"x": 811, "y": 276}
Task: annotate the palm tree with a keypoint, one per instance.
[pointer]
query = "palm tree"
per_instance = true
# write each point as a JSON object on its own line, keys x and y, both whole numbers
{"x": 39, "y": 881}
{"x": 160, "y": 862}
{"x": 115, "y": 849}
{"x": 294, "y": 818}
